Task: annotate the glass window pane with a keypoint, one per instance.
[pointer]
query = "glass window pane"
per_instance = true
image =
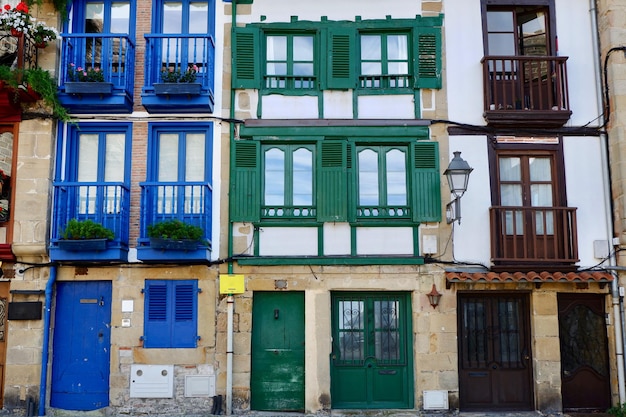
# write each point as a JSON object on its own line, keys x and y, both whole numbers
{"x": 172, "y": 17}
{"x": 386, "y": 330}
{"x": 350, "y": 321}
{"x": 88, "y": 157}
{"x": 540, "y": 169}
{"x": 397, "y": 48}
{"x": 274, "y": 68}
{"x": 541, "y": 195}
{"x": 274, "y": 177}
{"x": 114, "y": 158}
{"x": 368, "y": 178}
{"x": 120, "y": 17}
{"x": 511, "y": 195}
{"x": 510, "y": 169}
{"x": 501, "y": 21}
{"x": 198, "y": 17}
{"x": 303, "y": 69}
{"x": 194, "y": 161}
{"x": 371, "y": 68}
{"x": 303, "y": 48}
{"x": 276, "y": 48}
{"x": 501, "y": 44}
{"x": 94, "y": 18}
{"x": 371, "y": 47}
{"x": 398, "y": 68}
{"x": 168, "y": 157}
{"x": 396, "y": 178}
{"x": 302, "y": 177}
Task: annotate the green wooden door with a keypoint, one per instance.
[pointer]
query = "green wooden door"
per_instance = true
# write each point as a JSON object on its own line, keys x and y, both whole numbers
{"x": 371, "y": 361}
{"x": 277, "y": 374}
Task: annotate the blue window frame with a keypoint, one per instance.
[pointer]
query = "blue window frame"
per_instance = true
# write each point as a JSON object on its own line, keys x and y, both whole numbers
{"x": 171, "y": 314}
{"x": 93, "y": 177}
{"x": 179, "y": 173}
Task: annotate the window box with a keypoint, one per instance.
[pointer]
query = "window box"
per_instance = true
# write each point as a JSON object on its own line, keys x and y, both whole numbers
{"x": 173, "y": 244}
{"x": 88, "y": 87}
{"x": 177, "y": 88}
{"x": 82, "y": 245}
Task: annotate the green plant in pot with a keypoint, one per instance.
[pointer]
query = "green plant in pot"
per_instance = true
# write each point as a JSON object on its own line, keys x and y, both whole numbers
{"x": 86, "y": 229}
{"x": 174, "y": 234}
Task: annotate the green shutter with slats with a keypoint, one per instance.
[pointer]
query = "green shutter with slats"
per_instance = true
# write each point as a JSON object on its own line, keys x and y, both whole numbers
{"x": 245, "y": 184}
{"x": 340, "y": 65}
{"x": 332, "y": 182}
{"x": 426, "y": 193}
{"x": 427, "y": 41}
{"x": 246, "y": 62}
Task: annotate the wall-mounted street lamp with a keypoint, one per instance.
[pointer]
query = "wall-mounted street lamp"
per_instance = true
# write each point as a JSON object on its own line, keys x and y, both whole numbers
{"x": 458, "y": 173}
{"x": 434, "y": 297}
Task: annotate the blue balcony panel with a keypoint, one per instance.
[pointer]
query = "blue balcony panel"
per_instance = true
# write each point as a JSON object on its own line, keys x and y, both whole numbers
{"x": 189, "y": 202}
{"x": 113, "y": 55}
{"x": 177, "y": 54}
{"x": 104, "y": 203}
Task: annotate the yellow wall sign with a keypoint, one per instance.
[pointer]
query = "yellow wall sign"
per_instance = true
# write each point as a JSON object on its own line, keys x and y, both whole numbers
{"x": 232, "y": 284}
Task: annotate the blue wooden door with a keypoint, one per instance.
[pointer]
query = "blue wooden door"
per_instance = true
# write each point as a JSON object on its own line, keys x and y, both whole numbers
{"x": 81, "y": 346}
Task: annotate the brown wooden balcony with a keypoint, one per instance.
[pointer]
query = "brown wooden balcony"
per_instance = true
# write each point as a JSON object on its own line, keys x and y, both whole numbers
{"x": 525, "y": 91}
{"x": 533, "y": 237}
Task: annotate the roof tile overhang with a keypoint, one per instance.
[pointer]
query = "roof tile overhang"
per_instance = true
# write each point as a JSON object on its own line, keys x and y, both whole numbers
{"x": 538, "y": 278}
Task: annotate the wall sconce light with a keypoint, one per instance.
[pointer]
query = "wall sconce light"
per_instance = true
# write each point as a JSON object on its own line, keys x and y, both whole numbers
{"x": 434, "y": 297}
{"x": 458, "y": 173}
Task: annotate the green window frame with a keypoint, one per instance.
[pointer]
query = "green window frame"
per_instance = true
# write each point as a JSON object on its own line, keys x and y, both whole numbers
{"x": 335, "y": 190}
{"x": 337, "y": 56}
{"x": 290, "y": 61}
{"x": 288, "y": 181}
{"x": 382, "y": 182}
{"x": 385, "y": 60}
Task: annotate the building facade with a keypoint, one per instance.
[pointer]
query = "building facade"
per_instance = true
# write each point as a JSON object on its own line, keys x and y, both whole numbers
{"x": 306, "y": 148}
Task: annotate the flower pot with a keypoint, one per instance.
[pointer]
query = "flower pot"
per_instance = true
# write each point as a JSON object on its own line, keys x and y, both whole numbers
{"x": 177, "y": 88}
{"x": 173, "y": 244}
{"x": 88, "y": 87}
{"x": 16, "y": 33}
{"x": 82, "y": 245}
{"x": 41, "y": 44}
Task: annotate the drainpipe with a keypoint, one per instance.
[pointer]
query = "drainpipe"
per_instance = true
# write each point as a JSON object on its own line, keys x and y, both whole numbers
{"x": 46, "y": 341}
{"x": 230, "y": 300}
{"x": 617, "y": 302}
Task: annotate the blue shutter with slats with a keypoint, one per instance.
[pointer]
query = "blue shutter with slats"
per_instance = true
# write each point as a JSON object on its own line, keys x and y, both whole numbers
{"x": 184, "y": 329}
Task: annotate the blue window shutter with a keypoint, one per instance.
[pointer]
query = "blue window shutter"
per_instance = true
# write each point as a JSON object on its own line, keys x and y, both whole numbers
{"x": 185, "y": 313}
{"x": 171, "y": 314}
{"x": 156, "y": 317}
{"x": 426, "y": 193}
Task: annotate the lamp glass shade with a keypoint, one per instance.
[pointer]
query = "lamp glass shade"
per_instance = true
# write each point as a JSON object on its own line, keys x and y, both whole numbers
{"x": 434, "y": 296}
{"x": 458, "y": 173}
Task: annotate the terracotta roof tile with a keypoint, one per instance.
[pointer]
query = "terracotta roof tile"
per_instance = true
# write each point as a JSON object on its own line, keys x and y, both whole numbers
{"x": 535, "y": 277}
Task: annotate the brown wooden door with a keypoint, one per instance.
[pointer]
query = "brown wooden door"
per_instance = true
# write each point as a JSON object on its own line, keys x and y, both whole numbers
{"x": 4, "y": 296}
{"x": 585, "y": 375}
{"x": 494, "y": 352}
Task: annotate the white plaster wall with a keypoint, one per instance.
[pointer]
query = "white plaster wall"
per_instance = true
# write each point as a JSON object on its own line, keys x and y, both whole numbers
{"x": 386, "y": 107}
{"x": 288, "y": 241}
{"x": 585, "y": 190}
{"x": 282, "y": 10}
{"x": 289, "y": 107}
{"x": 384, "y": 241}
{"x": 464, "y": 50}
{"x": 338, "y": 104}
{"x": 336, "y": 239}
{"x": 471, "y": 240}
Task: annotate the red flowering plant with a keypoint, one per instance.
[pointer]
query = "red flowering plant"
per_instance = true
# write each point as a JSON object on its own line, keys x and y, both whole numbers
{"x": 16, "y": 19}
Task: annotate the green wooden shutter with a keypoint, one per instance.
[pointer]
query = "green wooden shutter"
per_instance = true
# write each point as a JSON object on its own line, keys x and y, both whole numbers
{"x": 341, "y": 74}
{"x": 332, "y": 182}
{"x": 245, "y": 184}
{"x": 426, "y": 195}
{"x": 427, "y": 41}
{"x": 246, "y": 63}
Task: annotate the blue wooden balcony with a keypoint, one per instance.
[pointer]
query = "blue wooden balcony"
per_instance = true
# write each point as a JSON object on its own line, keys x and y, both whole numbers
{"x": 109, "y": 54}
{"x": 104, "y": 203}
{"x": 176, "y": 54}
{"x": 189, "y": 202}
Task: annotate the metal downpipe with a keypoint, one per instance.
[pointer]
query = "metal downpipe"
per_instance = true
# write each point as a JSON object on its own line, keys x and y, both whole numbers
{"x": 46, "y": 341}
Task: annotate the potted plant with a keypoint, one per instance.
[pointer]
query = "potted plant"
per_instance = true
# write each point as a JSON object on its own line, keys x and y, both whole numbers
{"x": 16, "y": 20}
{"x": 174, "y": 235}
{"x": 175, "y": 81}
{"x": 86, "y": 81}
{"x": 84, "y": 235}
{"x": 43, "y": 34}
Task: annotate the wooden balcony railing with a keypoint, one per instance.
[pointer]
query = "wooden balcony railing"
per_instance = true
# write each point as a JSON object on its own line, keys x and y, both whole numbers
{"x": 533, "y": 236}
{"x": 525, "y": 91}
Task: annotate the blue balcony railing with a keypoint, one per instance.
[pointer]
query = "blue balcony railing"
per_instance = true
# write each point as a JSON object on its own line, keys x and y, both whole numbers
{"x": 104, "y": 203}
{"x": 177, "y": 53}
{"x": 111, "y": 54}
{"x": 189, "y": 202}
